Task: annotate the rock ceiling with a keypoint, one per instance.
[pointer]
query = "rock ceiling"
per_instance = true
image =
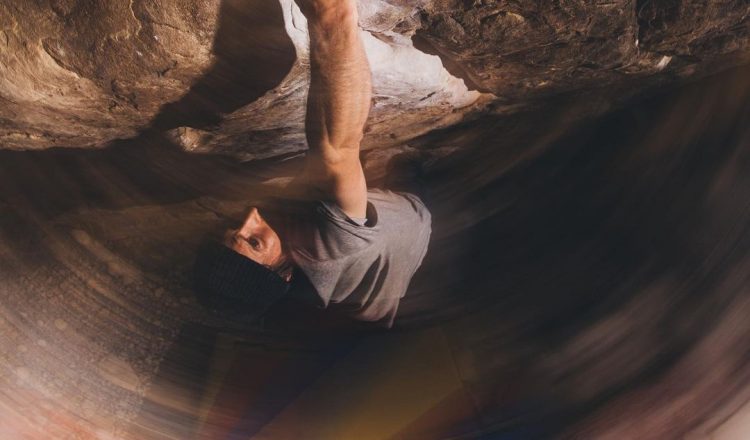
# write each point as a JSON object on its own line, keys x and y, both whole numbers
{"x": 230, "y": 76}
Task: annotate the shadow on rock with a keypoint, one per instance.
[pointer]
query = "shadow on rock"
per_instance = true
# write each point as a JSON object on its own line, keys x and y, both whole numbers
{"x": 253, "y": 54}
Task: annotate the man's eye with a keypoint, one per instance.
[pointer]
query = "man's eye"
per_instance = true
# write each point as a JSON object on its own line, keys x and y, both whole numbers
{"x": 254, "y": 243}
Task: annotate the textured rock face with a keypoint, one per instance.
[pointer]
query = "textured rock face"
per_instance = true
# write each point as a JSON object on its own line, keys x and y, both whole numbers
{"x": 518, "y": 50}
{"x": 231, "y": 76}
{"x": 77, "y": 74}
{"x": 82, "y": 73}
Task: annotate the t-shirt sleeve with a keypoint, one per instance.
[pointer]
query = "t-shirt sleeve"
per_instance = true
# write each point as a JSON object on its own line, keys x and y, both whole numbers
{"x": 364, "y": 269}
{"x": 331, "y": 248}
{"x": 332, "y": 211}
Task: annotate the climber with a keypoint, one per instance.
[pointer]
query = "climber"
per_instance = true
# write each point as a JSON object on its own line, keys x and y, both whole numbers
{"x": 357, "y": 247}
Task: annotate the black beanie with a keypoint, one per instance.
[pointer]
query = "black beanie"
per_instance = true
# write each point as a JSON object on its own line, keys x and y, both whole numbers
{"x": 230, "y": 282}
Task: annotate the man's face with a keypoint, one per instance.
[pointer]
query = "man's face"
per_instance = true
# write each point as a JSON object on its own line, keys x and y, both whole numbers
{"x": 256, "y": 240}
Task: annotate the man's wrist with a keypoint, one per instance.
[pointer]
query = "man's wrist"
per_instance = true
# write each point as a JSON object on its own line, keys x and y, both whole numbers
{"x": 341, "y": 14}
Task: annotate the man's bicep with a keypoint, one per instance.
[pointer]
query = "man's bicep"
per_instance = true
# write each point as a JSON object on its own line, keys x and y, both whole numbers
{"x": 350, "y": 191}
{"x": 340, "y": 177}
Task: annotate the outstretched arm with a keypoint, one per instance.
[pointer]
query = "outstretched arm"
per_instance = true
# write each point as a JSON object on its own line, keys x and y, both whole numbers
{"x": 338, "y": 102}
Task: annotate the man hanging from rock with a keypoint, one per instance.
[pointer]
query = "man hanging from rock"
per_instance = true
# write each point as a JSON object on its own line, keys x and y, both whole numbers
{"x": 357, "y": 247}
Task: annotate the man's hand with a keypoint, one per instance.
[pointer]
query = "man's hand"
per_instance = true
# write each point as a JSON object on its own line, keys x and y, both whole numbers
{"x": 338, "y": 102}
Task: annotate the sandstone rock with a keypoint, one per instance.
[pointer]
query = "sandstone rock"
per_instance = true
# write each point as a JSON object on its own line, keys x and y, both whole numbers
{"x": 230, "y": 77}
{"x": 223, "y": 76}
{"x": 521, "y": 49}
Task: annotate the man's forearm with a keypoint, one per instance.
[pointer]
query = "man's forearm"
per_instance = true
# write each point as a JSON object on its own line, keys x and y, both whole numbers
{"x": 340, "y": 87}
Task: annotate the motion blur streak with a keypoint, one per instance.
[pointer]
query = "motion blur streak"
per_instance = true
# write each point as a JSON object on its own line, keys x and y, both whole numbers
{"x": 587, "y": 279}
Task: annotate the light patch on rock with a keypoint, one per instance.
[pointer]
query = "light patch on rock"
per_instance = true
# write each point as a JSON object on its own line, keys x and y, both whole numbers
{"x": 191, "y": 139}
{"x": 398, "y": 69}
{"x": 296, "y": 27}
{"x": 23, "y": 373}
{"x": 88, "y": 408}
{"x": 409, "y": 75}
{"x": 118, "y": 372}
{"x": 664, "y": 62}
{"x": 104, "y": 435}
{"x": 116, "y": 266}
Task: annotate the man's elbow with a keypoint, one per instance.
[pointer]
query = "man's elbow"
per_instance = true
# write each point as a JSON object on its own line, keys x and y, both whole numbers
{"x": 341, "y": 152}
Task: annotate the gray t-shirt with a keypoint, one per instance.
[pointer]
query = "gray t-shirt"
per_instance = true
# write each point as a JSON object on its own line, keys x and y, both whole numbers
{"x": 363, "y": 270}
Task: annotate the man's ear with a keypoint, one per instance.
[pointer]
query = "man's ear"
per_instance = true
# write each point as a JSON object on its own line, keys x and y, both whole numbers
{"x": 272, "y": 211}
{"x": 255, "y": 215}
{"x": 250, "y": 220}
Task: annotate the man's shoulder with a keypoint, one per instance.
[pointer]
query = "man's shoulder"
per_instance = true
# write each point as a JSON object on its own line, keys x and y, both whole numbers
{"x": 312, "y": 208}
{"x": 400, "y": 204}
